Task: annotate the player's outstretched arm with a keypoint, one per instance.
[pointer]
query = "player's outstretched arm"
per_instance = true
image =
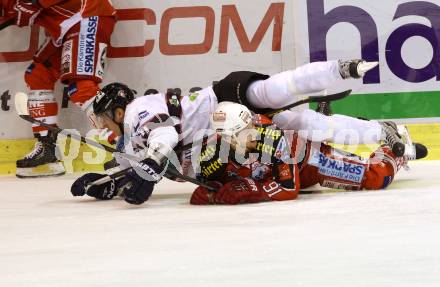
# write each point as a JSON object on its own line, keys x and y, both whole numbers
{"x": 104, "y": 191}
{"x": 135, "y": 186}
{"x": 245, "y": 190}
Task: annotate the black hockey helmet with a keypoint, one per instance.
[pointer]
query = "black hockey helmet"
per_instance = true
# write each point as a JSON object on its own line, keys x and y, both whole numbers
{"x": 112, "y": 96}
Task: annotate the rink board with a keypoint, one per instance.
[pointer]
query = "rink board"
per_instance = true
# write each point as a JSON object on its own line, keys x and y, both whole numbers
{"x": 87, "y": 159}
{"x": 156, "y": 43}
{"x": 186, "y": 44}
{"x": 429, "y": 134}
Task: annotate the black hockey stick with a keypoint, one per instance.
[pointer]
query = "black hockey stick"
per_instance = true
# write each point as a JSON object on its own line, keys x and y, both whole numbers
{"x": 7, "y": 23}
{"x": 311, "y": 99}
{"x": 21, "y": 106}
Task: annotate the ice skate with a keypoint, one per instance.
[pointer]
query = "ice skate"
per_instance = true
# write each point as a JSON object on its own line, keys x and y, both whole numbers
{"x": 41, "y": 161}
{"x": 413, "y": 151}
{"x": 324, "y": 108}
{"x": 355, "y": 68}
{"x": 392, "y": 138}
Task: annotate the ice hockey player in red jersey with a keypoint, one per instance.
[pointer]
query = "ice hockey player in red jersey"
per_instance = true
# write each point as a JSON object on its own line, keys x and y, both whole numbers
{"x": 262, "y": 164}
{"x": 155, "y": 125}
{"x": 75, "y": 51}
{"x": 248, "y": 162}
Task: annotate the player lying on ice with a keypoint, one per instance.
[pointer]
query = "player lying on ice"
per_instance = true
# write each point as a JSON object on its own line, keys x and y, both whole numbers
{"x": 74, "y": 52}
{"x": 265, "y": 163}
{"x": 150, "y": 133}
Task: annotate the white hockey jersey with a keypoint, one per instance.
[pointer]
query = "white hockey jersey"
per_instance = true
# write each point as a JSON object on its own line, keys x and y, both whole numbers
{"x": 148, "y": 122}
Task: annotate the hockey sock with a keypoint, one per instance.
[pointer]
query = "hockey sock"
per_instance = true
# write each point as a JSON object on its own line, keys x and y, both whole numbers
{"x": 43, "y": 107}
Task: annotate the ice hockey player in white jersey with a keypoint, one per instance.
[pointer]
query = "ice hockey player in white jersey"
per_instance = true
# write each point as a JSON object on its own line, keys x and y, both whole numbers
{"x": 154, "y": 125}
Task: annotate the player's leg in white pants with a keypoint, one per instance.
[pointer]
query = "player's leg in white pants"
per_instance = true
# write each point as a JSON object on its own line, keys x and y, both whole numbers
{"x": 290, "y": 86}
{"x": 336, "y": 128}
{"x": 287, "y": 87}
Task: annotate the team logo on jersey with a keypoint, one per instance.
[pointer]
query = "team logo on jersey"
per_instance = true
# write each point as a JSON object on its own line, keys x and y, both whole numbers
{"x": 337, "y": 168}
{"x": 143, "y": 115}
{"x": 193, "y": 97}
{"x": 87, "y": 46}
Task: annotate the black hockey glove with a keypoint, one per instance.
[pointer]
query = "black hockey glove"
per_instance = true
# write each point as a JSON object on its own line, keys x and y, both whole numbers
{"x": 138, "y": 184}
{"x": 103, "y": 191}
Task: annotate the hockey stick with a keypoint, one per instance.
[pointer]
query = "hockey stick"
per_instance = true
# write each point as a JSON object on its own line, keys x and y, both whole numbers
{"x": 22, "y": 110}
{"x": 21, "y": 106}
{"x": 311, "y": 99}
{"x": 5, "y": 24}
{"x": 21, "y": 100}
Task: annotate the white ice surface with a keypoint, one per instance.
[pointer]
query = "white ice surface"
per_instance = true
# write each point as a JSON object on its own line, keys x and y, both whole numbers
{"x": 386, "y": 238}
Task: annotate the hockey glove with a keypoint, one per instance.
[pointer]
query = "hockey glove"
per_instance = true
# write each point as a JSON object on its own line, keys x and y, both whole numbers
{"x": 241, "y": 191}
{"x": 202, "y": 196}
{"x": 27, "y": 12}
{"x": 103, "y": 191}
{"x": 138, "y": 184}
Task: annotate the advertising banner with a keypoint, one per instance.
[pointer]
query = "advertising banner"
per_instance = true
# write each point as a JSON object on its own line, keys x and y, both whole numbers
{"x": 187, "y": 44}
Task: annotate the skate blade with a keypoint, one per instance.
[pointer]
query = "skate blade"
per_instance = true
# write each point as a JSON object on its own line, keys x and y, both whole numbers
{"x": 45, "y": 170}
{"x": 364, "y": 67}
{"x": 410, "y": 151}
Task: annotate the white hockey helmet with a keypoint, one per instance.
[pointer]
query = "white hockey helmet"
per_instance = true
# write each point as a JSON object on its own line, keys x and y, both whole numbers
{"x": 230, "y": 118}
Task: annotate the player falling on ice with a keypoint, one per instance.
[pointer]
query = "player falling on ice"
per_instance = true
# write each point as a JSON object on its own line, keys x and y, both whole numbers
{"x": 254, "y": 161}
{"x": 155, "y": 125}
{"x": 75, "y": 52}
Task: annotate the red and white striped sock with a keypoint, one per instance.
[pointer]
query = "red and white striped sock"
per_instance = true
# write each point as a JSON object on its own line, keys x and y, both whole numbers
{"x": 43, "y": 107}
